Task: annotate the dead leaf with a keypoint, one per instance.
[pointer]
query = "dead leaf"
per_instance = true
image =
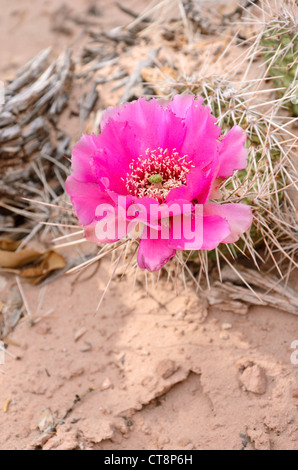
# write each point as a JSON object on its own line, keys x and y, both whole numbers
{"x": 11, "y": 259}
{"x": 9, "y": 245}
{"x": 51, "y": 262}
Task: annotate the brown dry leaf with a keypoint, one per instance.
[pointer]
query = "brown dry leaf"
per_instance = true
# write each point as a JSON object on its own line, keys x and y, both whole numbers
{"x": 51, "y": 262}
{"x": 156, "y": 77}
{"x": 9, "y": 245}
{"x": 11, "y": 259}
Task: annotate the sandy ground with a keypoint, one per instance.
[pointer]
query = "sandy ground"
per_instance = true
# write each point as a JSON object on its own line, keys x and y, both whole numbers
{"x": 164, "y": 377}
{"x": 152, "y": 371}
{"x": 28, "y": 26}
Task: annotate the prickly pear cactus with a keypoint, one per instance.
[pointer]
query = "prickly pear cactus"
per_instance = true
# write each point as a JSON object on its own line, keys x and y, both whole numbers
{"x": 262, "y": 184}
{"x": 280, "y": 48}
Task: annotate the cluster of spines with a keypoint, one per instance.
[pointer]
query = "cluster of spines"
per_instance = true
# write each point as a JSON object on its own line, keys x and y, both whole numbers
{"x": 280, "y": 49}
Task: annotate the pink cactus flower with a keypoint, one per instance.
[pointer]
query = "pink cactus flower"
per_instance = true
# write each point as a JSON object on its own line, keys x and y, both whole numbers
{"x": 157, "y": 154}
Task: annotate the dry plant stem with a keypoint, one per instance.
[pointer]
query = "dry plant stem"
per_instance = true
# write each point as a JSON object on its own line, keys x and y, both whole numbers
{"x": 33, "y": 102}
{"x": 23, "y": 296}
{"x": 271, "y": 291}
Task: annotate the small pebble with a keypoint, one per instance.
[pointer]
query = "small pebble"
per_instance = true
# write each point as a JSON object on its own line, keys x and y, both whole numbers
{"x": 254, "y": 380}
{"x": 226, "y": 326}
{"x": 224, "y": 336}
{"x": 166, "y": 368}
{"x": 106, "y": 384}
{"x": 180, "y": 315}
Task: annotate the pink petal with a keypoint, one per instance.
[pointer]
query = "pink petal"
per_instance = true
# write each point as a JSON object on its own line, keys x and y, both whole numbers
{"x": 186, "y": 230}
{"x": 111, "y": 227}
{"x": 89, "y": 233}
{"x": 154, "y": 126}
{"x": 140, "y": 208}
{"x": 215, "y": 192}
{"x": 110, "y": 113}
{"x": 232, "y": 153}
{"x": 239, "y": 217}
{"x": 200, "y": 143}
{"x": 179, "y": 193}
{"x": 214, "y": 230}
{"x": 118, "y": 144}
{"x": 82, "y": 156}
{"x": 181, "y": 103}
{"x": 172, "y": 209}
{"x": 199, "y": 185}
{"x": 154, "y": 254}
{"x": 145, "y": 214}
{"x": 107, "y": 155}
{"x": 85, "y": 197}
{"x": 91, "y": 236}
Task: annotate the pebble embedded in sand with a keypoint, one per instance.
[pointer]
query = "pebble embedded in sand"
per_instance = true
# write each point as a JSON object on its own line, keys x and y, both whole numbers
{"x": 166, "y": 368}
{"x": 106, "y": 384}
{"x": 180, "y": 315}
{"x": 43, "y": 330}
{"x": 254, "y": 380}
{"x": 226, "y": 326}
{"x": 224, "y": 335}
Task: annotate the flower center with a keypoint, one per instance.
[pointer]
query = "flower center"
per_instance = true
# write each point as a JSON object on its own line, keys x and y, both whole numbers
{"x": 156, "y": 174}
